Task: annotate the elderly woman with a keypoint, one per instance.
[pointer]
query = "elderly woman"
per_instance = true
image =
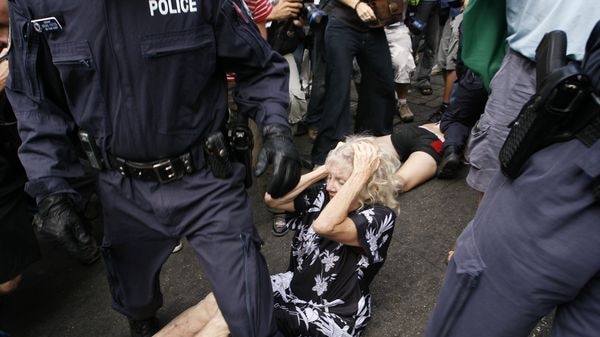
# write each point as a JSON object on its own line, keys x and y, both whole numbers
{"x": 343, "y": 215}
{"x": 343, "y": 230}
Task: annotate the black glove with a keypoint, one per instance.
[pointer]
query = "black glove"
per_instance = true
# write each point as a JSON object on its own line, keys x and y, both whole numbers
{"x": 57, "y": 217}
{"x": 279, "y": 149}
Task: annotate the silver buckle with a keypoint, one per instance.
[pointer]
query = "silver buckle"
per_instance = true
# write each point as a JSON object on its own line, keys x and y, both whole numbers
{"x": 164, "y": 171}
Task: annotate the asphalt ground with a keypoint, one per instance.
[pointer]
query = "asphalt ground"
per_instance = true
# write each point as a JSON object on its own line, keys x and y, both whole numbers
{"x": 61, "y": 298}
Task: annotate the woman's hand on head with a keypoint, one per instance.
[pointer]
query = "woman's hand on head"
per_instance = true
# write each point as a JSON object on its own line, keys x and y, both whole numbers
{"x": 366, "y": 158}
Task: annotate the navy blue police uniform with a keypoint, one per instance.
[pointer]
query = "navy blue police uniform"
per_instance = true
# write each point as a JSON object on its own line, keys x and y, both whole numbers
{"x": 146, "y": 79}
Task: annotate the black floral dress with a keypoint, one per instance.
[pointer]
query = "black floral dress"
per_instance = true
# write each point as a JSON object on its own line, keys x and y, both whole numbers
{"x": 326, "y": 290}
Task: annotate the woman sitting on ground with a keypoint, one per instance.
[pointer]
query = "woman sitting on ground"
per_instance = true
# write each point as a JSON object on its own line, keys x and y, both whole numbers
{"x": 343, "y": 228}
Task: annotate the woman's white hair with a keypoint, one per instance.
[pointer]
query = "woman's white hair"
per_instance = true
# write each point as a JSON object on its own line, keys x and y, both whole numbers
{"x": 382, "y": 187}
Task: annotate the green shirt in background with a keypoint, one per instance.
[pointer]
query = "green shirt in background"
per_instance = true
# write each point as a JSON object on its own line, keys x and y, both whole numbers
{"x": 484, "y": 37}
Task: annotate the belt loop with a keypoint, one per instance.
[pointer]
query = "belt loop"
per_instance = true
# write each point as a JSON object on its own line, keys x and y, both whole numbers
{"x": 186, "y": 158}
{"x": 121, "y": 165}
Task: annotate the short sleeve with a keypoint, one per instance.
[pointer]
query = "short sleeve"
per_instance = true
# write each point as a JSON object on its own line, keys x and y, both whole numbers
{"x": 308, "y": 206}
{"x": 260, "y": 9}
{"x": 375, "y": 226}
{"x": 312, "y": 199}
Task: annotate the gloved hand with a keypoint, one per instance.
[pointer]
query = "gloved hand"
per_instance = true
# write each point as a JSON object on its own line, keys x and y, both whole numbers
{"x": 279, "y": 149}
{"x": 57, "y": 217}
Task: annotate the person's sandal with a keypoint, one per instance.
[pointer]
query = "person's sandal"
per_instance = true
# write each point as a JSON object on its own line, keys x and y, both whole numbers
{"x": 279, "y": 226}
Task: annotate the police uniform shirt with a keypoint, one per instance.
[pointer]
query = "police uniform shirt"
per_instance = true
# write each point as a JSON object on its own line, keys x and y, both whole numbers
{"x": 145, "y": 78}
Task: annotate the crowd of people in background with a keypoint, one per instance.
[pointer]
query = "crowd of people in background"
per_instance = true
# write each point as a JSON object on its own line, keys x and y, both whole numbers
{"x": 325, "y": 70}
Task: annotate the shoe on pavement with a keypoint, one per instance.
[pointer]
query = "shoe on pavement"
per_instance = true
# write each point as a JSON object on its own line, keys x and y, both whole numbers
{"x": 406, "y": 115}
{"x": 144, "y": 327}
{"x": 450, "y": 162}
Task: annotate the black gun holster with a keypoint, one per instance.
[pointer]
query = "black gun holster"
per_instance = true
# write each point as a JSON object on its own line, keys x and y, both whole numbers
{"x": 562, "y": 106}
{"x": 241, "y": 145}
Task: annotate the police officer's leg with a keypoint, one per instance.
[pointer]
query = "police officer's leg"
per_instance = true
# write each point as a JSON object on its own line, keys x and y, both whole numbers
{"x": 223, "y": 235}
{"x": 376, "y": 96}
{"x": 534, "y": 241}
{"x": 470, "y": 305}
{"x": 133, "y": 252}
{"x": 581, "y": 317}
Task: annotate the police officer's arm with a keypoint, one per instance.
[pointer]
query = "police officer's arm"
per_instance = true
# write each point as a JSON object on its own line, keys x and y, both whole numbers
{"x": 261, "y": 92}
{"x": 46, "y": 128}
{"x": 47, "y": 152}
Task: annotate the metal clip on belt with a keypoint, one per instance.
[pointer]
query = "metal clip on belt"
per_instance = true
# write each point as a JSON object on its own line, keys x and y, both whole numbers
{"x": 163, "y": 170}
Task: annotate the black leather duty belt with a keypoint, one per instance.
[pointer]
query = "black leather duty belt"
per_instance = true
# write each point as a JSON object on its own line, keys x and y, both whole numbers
{"x": 163, "y": 170}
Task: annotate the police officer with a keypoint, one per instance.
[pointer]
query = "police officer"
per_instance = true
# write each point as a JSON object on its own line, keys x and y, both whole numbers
{"x": 533, "y": 245}
{"x": 143, "y": 84}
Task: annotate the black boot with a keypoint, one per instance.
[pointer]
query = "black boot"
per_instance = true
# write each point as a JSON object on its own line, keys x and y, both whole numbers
{"x": 450, "y": 162}
{"x": 144, "y": 327}
{"x": 437, "y": 116}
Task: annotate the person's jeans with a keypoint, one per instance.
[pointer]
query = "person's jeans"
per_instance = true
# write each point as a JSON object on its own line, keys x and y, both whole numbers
{"x": 427, "y": 12}
{"x": 376, "y": 92}
{"x": 319, "y": 70}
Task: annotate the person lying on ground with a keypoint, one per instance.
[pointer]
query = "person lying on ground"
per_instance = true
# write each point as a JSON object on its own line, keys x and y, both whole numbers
{"x": 418, "y": 147}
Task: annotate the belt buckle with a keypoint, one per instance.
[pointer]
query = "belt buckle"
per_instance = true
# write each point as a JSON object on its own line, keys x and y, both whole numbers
{"x": 165, "y": 171}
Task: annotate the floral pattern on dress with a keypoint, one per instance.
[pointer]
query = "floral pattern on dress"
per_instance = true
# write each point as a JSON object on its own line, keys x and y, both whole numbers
{"x": 311, "y": 293}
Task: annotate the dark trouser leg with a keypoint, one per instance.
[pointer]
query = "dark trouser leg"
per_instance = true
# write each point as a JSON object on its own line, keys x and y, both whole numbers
{"x": 227, "y": 244}
{"x": 580, "y": 317}
{"x": 469, "y": 305}
{"x": 319, "y": 70}
{"x": 427, "y": 12}
{"x": 145, "y": 222}
{"x": 133, "y": 254}
{"x": 534, "y": 242}
{"x": 376, "y": 99}
{"x": 336, "y": 121}
{"x": 239, "y": 277}
{"x": 463, "y": 113}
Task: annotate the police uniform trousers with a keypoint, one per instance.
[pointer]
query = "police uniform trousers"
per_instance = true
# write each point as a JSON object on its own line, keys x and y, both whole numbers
{"x": 144, "y": 221}
{"x": 512, "y": 86}
{"x": 534, "y": 245}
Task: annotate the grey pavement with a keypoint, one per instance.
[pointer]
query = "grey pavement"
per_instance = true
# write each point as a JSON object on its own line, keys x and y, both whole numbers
{"x": 59, "y": 297}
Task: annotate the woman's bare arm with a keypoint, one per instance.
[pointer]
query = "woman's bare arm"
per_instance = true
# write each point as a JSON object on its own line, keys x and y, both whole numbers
{"x": 286, "y": 203}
